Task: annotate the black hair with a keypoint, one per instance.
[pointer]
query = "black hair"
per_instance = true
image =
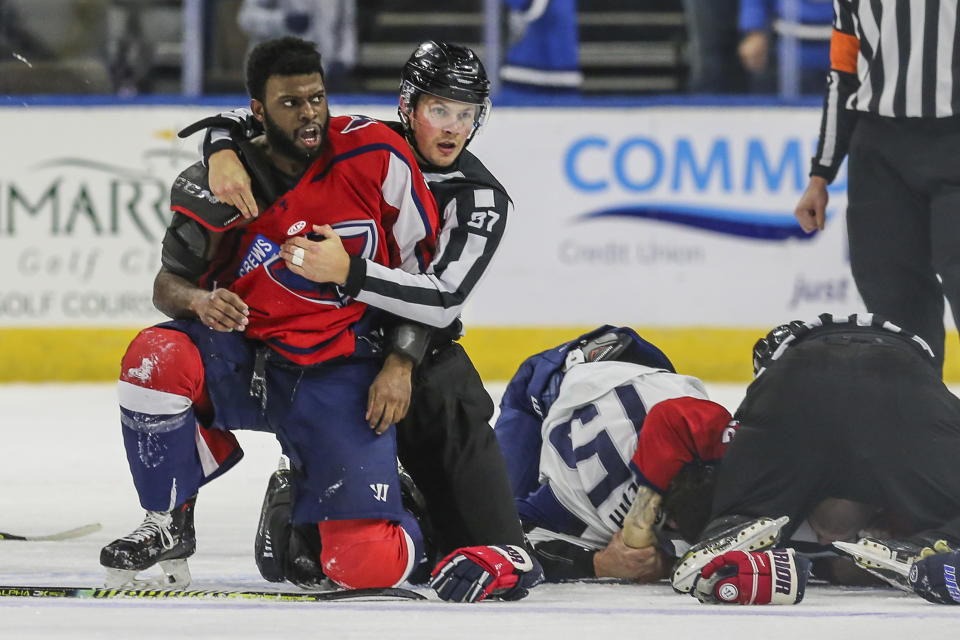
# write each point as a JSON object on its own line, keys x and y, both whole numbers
{"x": 280, "y": 57}
{"x": 689, "y": 498}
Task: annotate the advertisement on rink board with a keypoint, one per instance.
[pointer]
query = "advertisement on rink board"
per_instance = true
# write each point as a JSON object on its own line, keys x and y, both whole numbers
{"x": 647, "y": 216}
{"x": 654, "y": 217}
{"x": 667, "y": 216}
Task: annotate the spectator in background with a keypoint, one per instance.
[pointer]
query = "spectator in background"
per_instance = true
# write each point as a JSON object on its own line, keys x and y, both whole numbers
{"x": 543, "y": 54}
{"x": 767, "y": 23}
{"x": 712, "y": 35}
{"x": 331, "y": 24}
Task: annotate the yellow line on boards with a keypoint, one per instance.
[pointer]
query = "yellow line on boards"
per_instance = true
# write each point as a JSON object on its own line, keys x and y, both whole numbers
{"x": 714, "y": 354}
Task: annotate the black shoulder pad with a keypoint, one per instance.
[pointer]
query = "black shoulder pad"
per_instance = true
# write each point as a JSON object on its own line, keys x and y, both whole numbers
{"x": 191, "y": 196}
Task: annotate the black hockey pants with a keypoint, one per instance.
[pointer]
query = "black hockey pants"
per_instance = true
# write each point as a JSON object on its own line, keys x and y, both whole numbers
{"x": 858, "y": 414}
{"x": 447, "y": 446}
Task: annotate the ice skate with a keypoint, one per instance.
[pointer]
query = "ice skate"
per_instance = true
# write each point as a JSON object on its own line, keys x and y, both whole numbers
{"x": 414, "y": 502}
{"x": 282, "y": 550}
{"x": 752, "y": 535}
{"x": 165, "y": 538}
{"x": 889, "y": 560}
{"x": 273, "y": 530}
{"x": 302, "y": 565}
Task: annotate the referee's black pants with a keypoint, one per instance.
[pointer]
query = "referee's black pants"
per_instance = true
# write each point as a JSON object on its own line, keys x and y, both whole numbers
{"x": 447, "y": 446}
{"x": 861, "y": 415}
{"x": 903, "y": 221}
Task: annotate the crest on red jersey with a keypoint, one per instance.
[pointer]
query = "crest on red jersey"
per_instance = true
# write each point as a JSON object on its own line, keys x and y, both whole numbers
{"x": 359, "y": 238}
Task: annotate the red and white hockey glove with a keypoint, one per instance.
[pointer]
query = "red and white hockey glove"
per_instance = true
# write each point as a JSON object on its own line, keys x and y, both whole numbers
{"x": 777, "y": 576}
{"x": 470, "y": 574}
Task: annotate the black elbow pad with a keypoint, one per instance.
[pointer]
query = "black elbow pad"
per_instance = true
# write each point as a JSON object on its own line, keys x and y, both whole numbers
{"x": 185, "y": 246}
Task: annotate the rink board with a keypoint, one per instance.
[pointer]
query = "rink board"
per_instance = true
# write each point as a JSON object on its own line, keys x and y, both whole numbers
{"x": 675, "y": 219}
{"x": 94, "y": 354}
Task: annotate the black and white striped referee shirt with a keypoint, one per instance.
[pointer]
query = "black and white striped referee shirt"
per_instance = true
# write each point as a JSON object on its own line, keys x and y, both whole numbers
{"x": 474, "y": 209}
{"x": 785, "y": 336}
{"x": 891, "y": 58}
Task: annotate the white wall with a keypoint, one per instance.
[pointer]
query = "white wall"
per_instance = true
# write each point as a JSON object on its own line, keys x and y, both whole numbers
{"x": 83, "y": 206}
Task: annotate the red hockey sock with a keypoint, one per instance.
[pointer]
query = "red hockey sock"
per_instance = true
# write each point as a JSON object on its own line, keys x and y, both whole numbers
{"x": 165, "y": 363}
{"x": 165, "y": 360}
{"x": 360, "y": 554}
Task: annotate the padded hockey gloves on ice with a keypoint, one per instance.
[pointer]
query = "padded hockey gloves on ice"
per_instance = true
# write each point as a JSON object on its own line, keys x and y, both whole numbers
{"x": 934, "y": 578}
{"x": 471, "y": 574}
{"x": 929, "y": 571}
{"x": 732, "y": 533}
{"x": 777, "y": 576}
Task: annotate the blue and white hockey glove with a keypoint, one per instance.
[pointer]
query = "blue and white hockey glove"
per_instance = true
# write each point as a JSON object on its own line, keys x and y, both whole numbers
{"x": 897, "y": 562}
{"x": 471, "y": 574}
{"x": 934, "y": 578}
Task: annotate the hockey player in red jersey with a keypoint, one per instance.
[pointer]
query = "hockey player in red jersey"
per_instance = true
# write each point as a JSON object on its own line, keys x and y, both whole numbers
{"x": 428, "y": 385}
{"x": 265, "y": 347}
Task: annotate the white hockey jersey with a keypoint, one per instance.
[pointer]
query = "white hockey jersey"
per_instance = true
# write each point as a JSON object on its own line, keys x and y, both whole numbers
{"x": 615, "y": 424}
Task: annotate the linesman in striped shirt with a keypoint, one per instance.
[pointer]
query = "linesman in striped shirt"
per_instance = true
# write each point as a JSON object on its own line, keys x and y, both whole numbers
{"x": 444, "y": 437}
{"x": 891, "y": 104}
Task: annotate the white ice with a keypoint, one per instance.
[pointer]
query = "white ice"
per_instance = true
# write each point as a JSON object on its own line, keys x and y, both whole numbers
{"x": 62, "y": 464}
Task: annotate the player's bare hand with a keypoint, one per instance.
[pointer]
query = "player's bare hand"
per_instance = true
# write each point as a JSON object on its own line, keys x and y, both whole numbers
{"x": 389, "y": 396}
{"x": 230, "y": 182}
{"x": 646, "y": 564}
{"x": 811, "y": 211}
{"x": 754, "y": 51}
{"x": 221, "y": 309}
{"x": 323, "y": 260}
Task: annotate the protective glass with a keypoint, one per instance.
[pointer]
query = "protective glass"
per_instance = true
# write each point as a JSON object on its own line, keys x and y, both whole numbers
{"x": 444, "y": 113}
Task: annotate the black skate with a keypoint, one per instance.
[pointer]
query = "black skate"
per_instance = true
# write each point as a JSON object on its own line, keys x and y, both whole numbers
{"x": 165, "y": 538}
{"x": 414, "y": 502}
{"x": 749, "y": 535}
{"x": 282, "y": 550}
{"x": 273, "y": 531}
{"x": 889, "y": 560}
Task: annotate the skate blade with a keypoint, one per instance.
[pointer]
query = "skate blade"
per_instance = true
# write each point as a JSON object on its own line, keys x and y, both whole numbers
{"x": 176, "y": 575}
{"x": 878, "y": 560}
{"x": 873, "y": 556}
{"x": 760, "y": 535}
{"x": 318, "y": 586}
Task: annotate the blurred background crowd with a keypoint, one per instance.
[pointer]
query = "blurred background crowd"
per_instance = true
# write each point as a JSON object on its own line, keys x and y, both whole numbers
{"x": 595, "y": 47}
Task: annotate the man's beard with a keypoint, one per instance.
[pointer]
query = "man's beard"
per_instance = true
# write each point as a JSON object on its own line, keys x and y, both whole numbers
{"x": 286, "y": 145}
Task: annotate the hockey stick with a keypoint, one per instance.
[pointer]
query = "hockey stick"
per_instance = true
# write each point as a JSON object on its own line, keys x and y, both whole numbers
{"x": 62, "y": 535}
{"x": 644, "y": 514}
{"x": 167, "y": 594}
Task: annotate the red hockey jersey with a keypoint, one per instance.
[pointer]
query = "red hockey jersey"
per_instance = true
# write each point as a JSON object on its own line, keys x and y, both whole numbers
{"x": 367, "y": 186}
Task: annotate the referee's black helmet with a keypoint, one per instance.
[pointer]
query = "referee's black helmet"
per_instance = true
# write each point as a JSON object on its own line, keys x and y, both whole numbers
{"x": 448, "y": 71}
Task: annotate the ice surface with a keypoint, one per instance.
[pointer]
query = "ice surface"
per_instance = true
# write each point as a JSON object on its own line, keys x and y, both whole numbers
{"x": 62, "y": 465}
